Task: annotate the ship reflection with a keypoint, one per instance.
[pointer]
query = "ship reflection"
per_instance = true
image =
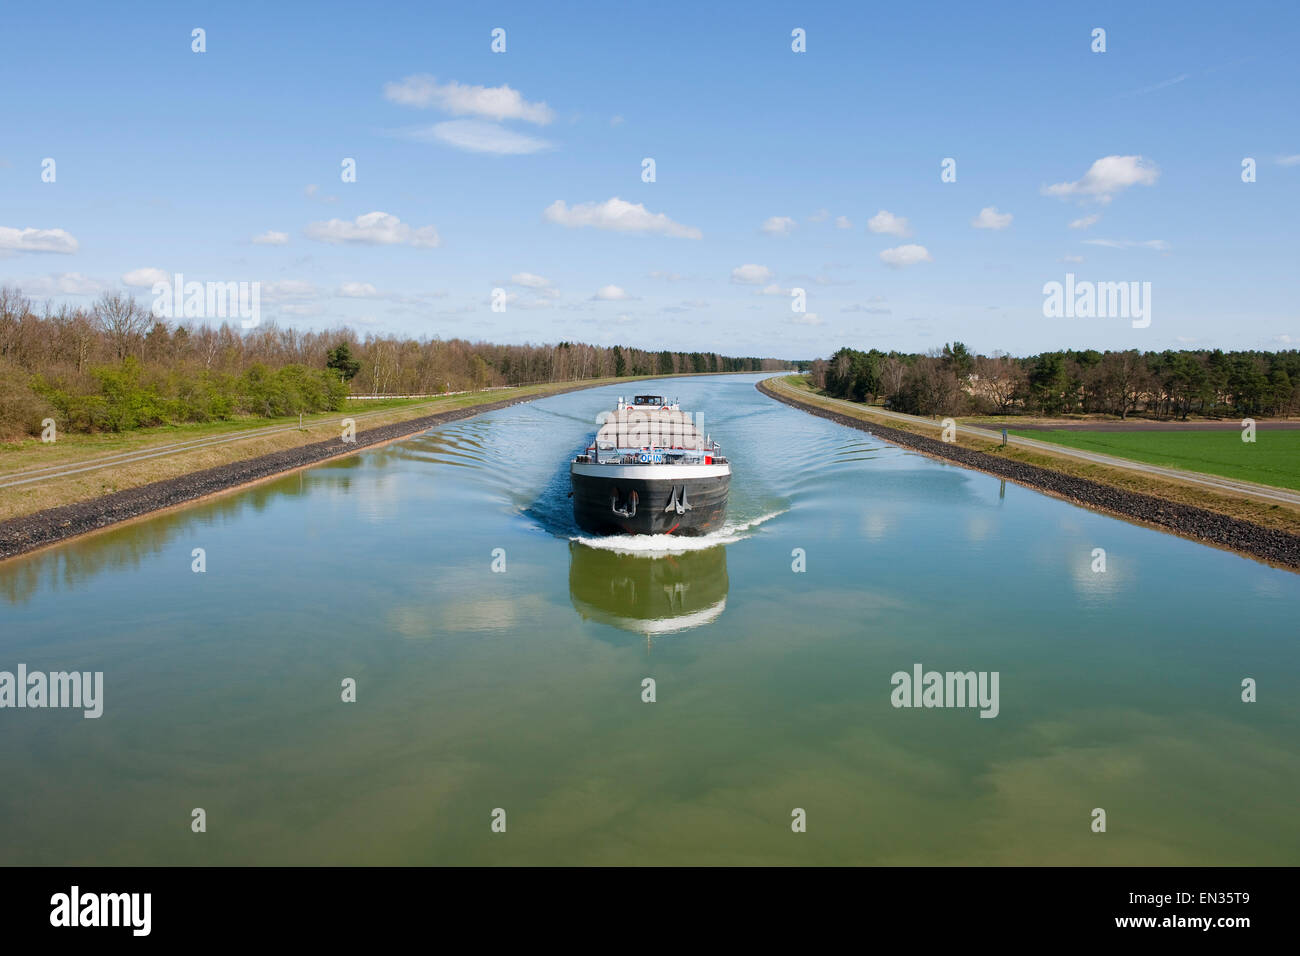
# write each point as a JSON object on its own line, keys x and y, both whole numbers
{"x": 649, "y": 595}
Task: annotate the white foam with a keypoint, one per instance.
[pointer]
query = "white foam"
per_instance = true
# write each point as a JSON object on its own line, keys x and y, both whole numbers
{"x": 665, "y": 545}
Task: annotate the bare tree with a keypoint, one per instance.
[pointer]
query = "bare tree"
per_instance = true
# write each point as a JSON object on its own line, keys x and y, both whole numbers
{"x": 122, "y": 320}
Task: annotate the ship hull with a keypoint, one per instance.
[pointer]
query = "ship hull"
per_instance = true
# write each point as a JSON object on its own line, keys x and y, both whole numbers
{"x": 637, "y": 499}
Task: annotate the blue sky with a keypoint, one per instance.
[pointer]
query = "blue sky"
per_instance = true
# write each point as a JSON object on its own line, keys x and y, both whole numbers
{"x": 175, "y": 161}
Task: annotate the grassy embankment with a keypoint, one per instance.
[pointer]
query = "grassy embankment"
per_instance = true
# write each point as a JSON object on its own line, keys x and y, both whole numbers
{"x": 1265, "y": 514}
{"x": 1272, "y": 459}
{"x": 74, "y": 448}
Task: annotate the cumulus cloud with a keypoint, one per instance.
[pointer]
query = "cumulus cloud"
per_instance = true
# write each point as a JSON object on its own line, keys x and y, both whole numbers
{"x": 1085, "y": 221}
{"x": 358, "y": 290}
{"x": 530, "y": 281}
{"x": 37, "y": 240}
{"x": 478, "y": 136}
{"x": 778, "y": 226}
{"x": 842, "y": 222}
{"x": 1106, "y": 177}
{"x": 751, "y": 274}
{"x": 1289, "y": 160}
{"x": 64, "y": 283}
{"x": 990, "y": 218}
{"x": 887, "y": 223}
{"x": 288, "y": 290}
{"x": 271, "y": 238}
{"x": 494, "y": 102}
{"x": 617, "y": 215}
{"x": 374, "y": 228}
{"x": 611, "y": 293}
{"x": 145, "y": 278}
{"x": 908, "y": 255}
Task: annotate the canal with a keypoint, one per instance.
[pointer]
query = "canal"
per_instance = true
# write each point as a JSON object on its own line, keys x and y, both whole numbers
{"x": 501, "y": 661}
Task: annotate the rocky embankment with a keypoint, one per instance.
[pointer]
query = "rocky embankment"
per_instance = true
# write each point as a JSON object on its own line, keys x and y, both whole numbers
{"x": 19, "y": 535}
{"x": 1267, "y": 544}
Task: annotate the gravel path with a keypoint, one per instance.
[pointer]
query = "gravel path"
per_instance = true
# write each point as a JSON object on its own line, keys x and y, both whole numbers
{"x": 1275, "y": 547}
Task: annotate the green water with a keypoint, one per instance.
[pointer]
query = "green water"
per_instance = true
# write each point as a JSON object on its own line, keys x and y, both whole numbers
{"x": 522, "y": 689}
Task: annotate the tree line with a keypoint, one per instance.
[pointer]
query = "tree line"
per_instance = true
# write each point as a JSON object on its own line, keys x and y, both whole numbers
{"x": 114, "y": 366}
{"x": 1165, "y": 385}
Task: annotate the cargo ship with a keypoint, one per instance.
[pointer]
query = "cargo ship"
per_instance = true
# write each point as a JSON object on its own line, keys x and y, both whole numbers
{"x": 650, "y": 470}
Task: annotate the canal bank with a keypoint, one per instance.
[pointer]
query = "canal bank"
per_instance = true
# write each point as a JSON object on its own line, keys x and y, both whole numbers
{"x": 1270, "y": 545}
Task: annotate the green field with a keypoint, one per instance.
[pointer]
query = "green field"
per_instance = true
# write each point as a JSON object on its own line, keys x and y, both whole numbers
{"x": 1273, "y": 459}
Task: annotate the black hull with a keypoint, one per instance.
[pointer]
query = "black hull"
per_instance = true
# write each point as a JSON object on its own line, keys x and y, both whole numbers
{"x": 597, "y": 502}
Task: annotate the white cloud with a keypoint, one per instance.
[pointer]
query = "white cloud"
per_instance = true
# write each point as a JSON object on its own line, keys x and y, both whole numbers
{"x": 773, "y": 289}
{"x": 271, "y": 238}
{"x": 778, "y": 226}
{"x": 1071, "y": 258}
{"x": 611, "y": 293}
{"x": 145, "y": 278}
{"x": 616, "y": 121}
{"x": 990, "y": 218}
{"x": 479, "y": 136}
{"x": 1086, "y": 221}
{"x": 64, "y": 283}
{"x": 36, "y": 240}
{"x": 806, "y": 318}
{"x": 1157, "y": 244}
{"x": 842, "y": 222}
{"x": 374, "y": 228}
{"x": 358, "y": 290}
{"x": 868, "y": 309}
{"x": 889, "y": 224}
{"x": 494, "y": 102}
{"x": 288, "y": 289}
{"x": 530, "y": 281}
{"x": 821, "y": 215}
{"x": 617, "y": 215}
{"x": 908, "y": 255}
{"x": 751, "y": 274}
{"x": 1106, "y": 177}
{"x": 1289, "y": 160}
